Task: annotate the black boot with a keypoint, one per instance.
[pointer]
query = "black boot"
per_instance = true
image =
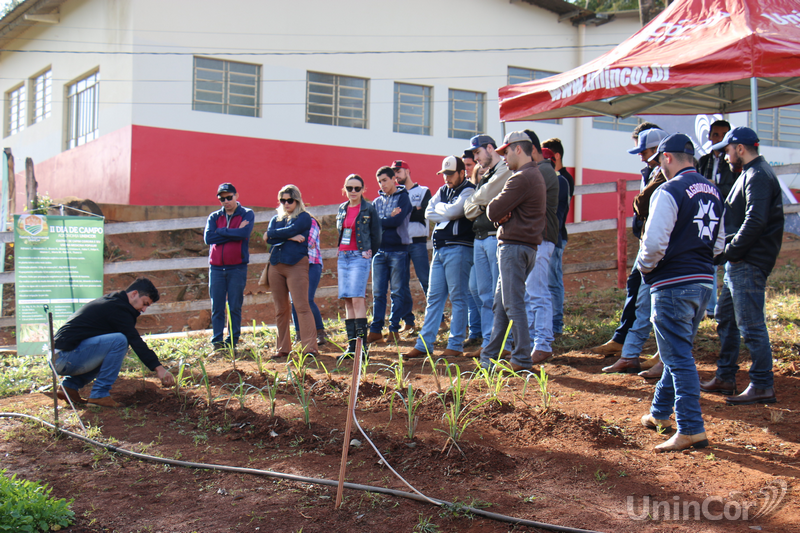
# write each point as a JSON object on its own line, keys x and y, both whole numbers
{"x": 361, "y": 332}
{"x": 350, "y": 328}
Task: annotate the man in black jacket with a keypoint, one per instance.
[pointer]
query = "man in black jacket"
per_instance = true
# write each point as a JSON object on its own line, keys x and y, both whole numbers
{"x": 754, "y": 231}
{"x": 716, "y": 169}
{"x": 93, "y": 343}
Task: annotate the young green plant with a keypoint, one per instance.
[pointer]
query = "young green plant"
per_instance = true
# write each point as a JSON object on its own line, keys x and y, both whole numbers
{"x": 459, "y": 413}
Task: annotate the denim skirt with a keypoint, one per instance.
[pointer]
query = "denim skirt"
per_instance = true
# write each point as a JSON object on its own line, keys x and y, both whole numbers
{"x": 353, "y": 273}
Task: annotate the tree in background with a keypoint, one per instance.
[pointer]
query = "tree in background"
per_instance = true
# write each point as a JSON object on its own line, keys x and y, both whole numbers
{"x": 648, "y": 9}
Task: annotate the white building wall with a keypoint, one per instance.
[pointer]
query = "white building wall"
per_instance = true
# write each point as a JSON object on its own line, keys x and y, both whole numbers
{"x": 354, "y": 25}
{"x": 84, "y": 27}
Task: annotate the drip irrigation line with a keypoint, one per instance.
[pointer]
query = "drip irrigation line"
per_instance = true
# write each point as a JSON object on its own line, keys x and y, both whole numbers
{"x": 300, "y": 479}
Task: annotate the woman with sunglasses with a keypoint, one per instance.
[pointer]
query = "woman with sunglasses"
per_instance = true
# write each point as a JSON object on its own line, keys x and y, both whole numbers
{"x": 314, "y": 275}
{"x": 359, "y": 237}
{"x": 288, "y": 271}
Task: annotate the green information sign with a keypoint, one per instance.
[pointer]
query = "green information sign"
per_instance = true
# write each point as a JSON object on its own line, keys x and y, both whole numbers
{"x": 58, "y": 264}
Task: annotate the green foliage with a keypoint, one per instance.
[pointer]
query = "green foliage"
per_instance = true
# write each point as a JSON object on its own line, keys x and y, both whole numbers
{"x": 612, "y": 5}
{"x": 26, "y": 506}
{"x": 22, "y": 374}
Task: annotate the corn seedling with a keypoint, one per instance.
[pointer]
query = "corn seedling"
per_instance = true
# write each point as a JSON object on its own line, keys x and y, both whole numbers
{"x": 271, "y": 391}
{"x": 230, "y": 348}
{"x": 542, "y": 380}
{"x": 429, "y": 360}
{"x": 495, "y": 379}
{"x": 206, "y": 383}
{"x": 181, "y": 381}
{"x": 459, "y": 414}
{"x": 239, "y": 391}
{"x": 297, "y": 377}
{"x": 412, "y": 402}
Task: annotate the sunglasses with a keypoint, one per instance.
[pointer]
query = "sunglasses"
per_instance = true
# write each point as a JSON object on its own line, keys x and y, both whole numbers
{"x": 353, "y": 189}
{"x": 287, "y": 200}
{"x": 225, "y": 198}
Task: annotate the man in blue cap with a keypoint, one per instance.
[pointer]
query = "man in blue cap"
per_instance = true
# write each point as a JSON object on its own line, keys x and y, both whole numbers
{"x": 681, "y": 238}
{"x": 754, "y": 227}
{"x": 639, "y": 332}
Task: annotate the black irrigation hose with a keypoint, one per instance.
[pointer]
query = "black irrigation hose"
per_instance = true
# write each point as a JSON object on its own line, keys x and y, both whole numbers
{"x": 300, "y": 479}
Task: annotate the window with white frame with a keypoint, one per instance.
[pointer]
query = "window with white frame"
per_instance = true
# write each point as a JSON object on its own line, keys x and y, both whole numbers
{"x": 336, "y": 100}
{"x": 412, "y": 108}
{"x": 83, "y": 110}
{"x": 227, "y": 87}
{"x": 41, "y": 96}
{"x": 15, "y": 109}
{"x": 779, "y": 126}
{"x": 615, "y": 123}
{"x": 467, "y": 111}
{"x": 522, "y": 75}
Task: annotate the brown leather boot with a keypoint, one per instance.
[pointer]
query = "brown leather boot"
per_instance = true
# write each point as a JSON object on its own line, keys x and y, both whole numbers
{"x": 612, "y": 347}
{"x": 104, "y": 402}
{"x": 73, "y": 394}
{"x": 680, "y": 442}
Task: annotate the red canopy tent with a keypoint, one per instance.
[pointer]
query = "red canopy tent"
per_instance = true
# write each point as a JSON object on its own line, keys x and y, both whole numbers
{"x": 697, "y": 56}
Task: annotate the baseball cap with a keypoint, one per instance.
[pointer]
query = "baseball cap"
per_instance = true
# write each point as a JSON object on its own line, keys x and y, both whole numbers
{"x": 481, "y": 140}
{"x": 739, "y": 135}
{"x": 399, "y": 163}
{"x": 226, "y": 187}
{"x": 513, "y": 137}
{"x": 649, "y": 139}
{"x": 451, "y": 165}
{"x": 468, "y": 154}
{"x": 675, "y": 143}
{"x": 547, "y": 153}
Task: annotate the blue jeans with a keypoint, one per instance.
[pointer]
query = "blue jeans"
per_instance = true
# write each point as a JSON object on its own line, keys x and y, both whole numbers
{"x": 314, "y": 275}
{"x": 226, "y": 283}
{"x": 449, "y": 277}
{"x": 555, "y": 282}
{"x": 486, "y": 274}
{"x": 389, "y": 270}
{"x": 537, "y": 299}
{"x": 712, "y": 303}
{"x": 640, "y": 332}
{"x": 676, "y": 315}
{"x": 515, "y": 262}
{"x": 96, "y": 357}
{"x": 474, "y": 311}
{"x": 629, "y": 309}
{"x": 740, "y": 315}
{"x": 418, "y": 253}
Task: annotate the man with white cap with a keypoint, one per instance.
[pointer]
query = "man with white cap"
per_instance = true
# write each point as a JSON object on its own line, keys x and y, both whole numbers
{"x": 452, "y": 259}
{"x": 485, "y": 251}
{"x": 754, "y": 226}
{"x": 519, "y": 211}
{"x": 682, "y": 236}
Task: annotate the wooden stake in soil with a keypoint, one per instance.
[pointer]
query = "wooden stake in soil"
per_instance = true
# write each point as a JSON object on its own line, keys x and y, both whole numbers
{"x": 349, "y": 424}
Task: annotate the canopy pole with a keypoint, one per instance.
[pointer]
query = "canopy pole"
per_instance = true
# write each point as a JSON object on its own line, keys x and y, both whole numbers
{"x": 577, "y": 211}
{"x": 754, "y": 104}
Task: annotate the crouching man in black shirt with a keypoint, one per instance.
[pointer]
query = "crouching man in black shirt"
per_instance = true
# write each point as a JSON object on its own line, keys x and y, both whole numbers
{"x": 94, "y": 341}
